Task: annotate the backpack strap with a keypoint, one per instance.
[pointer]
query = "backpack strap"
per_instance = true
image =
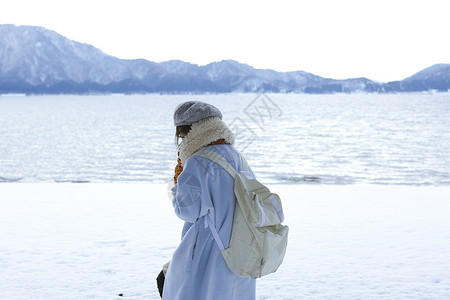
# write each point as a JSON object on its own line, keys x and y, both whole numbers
{"x": 218, "y": 159}
{"x": 244, "y": 164}
{"x": 221, "y": 161}
{"x": 209, "y": 223}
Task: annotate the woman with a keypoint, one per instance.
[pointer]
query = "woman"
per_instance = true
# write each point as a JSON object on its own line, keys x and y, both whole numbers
{"x": 203, "y": 188}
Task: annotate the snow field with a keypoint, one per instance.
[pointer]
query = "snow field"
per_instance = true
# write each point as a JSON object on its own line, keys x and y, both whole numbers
{"x": 94, "y": 241}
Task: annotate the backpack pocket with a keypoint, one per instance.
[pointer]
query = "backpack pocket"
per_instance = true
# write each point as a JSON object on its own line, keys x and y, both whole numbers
{"x": 271, "y": 212}
{"x": 265, "y": 207}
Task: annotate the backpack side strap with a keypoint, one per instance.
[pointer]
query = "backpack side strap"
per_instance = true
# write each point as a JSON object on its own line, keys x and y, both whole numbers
{"x": 209, "y": 223}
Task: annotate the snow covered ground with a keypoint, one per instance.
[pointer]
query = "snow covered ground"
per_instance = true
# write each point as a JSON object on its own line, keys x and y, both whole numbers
{"x": 94, "y": 241}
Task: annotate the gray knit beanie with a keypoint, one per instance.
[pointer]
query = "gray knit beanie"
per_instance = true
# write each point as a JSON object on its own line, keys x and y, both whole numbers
{"x": 190, "y": 112}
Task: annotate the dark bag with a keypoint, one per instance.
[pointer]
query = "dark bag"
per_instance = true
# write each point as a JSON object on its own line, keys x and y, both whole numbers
{"x": 160, "y": 282}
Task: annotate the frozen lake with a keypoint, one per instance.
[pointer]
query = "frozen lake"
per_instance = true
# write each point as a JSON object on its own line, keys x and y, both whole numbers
{"x": 313, "y": 139}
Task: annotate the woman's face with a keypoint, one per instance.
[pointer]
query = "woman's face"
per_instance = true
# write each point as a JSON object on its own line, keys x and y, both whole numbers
{"x": 181, "y": 132}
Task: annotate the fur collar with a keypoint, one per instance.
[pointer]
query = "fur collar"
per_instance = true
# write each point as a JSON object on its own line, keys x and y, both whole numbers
{"x": 203, "y": 133}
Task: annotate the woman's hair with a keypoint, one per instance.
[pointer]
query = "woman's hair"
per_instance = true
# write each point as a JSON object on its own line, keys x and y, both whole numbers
{"x": 179, "y": 130}
{"x": 183, "y": 129}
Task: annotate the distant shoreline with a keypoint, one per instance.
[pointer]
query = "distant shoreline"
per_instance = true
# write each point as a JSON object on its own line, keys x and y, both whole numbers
{"x": 18, "y": 95}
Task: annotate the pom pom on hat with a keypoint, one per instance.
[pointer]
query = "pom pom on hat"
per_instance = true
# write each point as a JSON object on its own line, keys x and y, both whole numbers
{"x": 190, "y": 112}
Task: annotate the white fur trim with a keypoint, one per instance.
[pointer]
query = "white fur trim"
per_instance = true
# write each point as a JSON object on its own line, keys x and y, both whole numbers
{"x": 203, "y": 133}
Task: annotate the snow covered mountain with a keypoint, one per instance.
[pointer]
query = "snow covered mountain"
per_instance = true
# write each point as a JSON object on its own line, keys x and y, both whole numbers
{"x": 434, "y": 78}
{"x": 37, "y": 60}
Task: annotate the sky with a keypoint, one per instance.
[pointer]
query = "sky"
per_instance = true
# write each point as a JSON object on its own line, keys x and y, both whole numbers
{"x": 383, "y": 40}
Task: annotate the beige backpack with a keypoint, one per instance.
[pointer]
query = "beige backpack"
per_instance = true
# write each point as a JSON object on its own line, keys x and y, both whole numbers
{"x": 258, "y": 239}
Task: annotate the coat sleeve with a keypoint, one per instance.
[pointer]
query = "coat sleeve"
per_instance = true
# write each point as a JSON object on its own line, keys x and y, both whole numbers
{"x": 188, "y": 198}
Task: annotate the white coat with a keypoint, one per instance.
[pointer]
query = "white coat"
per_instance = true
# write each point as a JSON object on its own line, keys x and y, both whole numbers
{"x": 197, "y": 270}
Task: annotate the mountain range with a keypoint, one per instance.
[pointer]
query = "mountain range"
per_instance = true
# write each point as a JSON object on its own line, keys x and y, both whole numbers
{"x": 35, "y": 60}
